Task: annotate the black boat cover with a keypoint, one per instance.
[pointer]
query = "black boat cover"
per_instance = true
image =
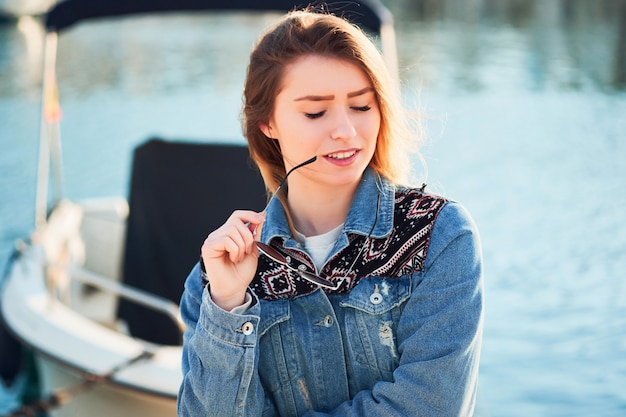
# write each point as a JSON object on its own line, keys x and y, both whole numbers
{"x": 179, "y": 193}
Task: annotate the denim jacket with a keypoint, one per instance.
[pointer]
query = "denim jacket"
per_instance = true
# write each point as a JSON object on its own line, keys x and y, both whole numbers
{"x": 401, "y": 337}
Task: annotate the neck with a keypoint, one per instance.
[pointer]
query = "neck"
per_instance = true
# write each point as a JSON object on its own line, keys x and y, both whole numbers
{"x": 317, "y": 210}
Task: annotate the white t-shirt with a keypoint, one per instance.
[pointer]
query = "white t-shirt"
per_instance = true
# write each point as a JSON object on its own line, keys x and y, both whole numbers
{"x": 319, "y": 246}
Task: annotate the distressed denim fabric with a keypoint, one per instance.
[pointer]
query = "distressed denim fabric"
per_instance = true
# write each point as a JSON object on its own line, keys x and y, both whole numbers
{"x": 401, "y": 346}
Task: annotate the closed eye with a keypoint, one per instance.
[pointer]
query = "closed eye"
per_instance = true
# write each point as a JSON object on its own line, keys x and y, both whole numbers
{"x": 315, "y": 115}
{"x": 363, "y": 108}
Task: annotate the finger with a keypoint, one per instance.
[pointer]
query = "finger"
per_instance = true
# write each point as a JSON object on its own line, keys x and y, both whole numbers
{"x": 235, "y": 249}
{"x": 217, "y": 246}
{"x": 252, "y": 221}
{"x": 259, "y": 228}
{"x": 239, "y": 241}
{"x": 224, "y": 249}
{"x": 233, "y": 237}
{"x": 248, "y": 217}
{"x": 244, "y": 235}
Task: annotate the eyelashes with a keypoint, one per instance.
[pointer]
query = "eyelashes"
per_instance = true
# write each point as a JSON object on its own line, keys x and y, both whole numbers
{"x": 320, "y": 114}
{"x": 314, "y": 115}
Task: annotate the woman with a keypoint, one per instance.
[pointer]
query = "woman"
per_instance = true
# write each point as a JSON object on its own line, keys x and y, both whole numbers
{"x": 368, "y": 300}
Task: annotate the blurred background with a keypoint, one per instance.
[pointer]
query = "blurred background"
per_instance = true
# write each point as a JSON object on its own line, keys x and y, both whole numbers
{"x": 524, "y": 108}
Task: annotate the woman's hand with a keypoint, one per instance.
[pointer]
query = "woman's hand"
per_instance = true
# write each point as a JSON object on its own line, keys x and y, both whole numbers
{"x": 230, "y": 258}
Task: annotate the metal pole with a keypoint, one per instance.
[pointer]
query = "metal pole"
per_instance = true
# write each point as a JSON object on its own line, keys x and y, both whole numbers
{"x": 50, "y": 114}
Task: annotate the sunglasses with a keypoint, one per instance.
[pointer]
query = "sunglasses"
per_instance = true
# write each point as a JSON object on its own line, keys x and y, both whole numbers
{"x": 284, "y": 259}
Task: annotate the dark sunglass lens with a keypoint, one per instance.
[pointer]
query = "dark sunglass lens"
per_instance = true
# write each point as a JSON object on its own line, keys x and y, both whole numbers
{"x": 271, "y": 253}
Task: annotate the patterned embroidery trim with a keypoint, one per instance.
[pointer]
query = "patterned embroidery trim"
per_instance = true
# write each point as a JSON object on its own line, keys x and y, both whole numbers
{"x": 400, "y": 253}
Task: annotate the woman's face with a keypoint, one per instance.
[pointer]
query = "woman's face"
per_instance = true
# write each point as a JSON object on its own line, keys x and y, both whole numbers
{"x": 326, "y": 107}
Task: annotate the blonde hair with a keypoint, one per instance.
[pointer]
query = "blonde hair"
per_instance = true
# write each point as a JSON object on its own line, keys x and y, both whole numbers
{"x": 307, "y": 32}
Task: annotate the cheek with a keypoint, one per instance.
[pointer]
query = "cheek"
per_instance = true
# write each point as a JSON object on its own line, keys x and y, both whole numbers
{"x": 298, "y": 141}
{"x": 298, "y": 132}
{"x": 370, "y": 135}
{"x": 371, "y": 128}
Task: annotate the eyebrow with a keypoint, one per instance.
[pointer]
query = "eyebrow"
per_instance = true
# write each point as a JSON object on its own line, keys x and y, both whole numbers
{"x": 332, "y": 96}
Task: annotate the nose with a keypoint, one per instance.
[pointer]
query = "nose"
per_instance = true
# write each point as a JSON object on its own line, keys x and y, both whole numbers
{"x": 343, "y": 127}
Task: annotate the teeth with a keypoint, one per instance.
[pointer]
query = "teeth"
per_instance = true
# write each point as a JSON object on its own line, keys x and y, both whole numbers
{"x": 341, "y": 155}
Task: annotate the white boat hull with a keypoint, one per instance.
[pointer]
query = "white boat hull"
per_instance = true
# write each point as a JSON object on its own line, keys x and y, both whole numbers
{"x": 73, "y": 332}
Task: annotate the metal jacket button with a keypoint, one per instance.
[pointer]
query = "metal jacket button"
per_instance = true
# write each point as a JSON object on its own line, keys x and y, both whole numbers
{"x": 376, "y": 298}
{"x": 247, "y": 328}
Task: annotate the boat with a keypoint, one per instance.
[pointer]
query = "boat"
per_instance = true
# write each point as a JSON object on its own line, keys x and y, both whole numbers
{"x": 92, "y": 291}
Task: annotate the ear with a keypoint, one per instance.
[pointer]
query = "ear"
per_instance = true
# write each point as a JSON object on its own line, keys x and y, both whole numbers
{"x": 266, "y": 129}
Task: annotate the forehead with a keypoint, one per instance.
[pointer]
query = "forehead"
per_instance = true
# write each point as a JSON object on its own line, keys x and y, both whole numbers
{"x": 319, "y": 75}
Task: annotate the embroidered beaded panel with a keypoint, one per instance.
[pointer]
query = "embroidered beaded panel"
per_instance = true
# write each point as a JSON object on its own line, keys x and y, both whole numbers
{"x": 400, "y": 253}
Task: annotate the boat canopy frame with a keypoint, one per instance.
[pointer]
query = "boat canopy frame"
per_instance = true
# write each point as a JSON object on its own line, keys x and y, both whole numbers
{"x": 371, "y": 15}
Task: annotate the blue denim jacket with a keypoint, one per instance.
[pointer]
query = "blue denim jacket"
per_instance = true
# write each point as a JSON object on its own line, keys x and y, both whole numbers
{"x": 405, "y": 343}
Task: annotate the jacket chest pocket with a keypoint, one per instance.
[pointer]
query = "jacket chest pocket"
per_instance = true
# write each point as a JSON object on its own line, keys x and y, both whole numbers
{"x": 372, "y": 312}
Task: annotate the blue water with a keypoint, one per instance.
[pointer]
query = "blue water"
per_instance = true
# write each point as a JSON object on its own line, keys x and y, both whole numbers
{"x": 525, "y": 125}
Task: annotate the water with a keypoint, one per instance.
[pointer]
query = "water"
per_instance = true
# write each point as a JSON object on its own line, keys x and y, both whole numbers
{"x": 525, "y": 114}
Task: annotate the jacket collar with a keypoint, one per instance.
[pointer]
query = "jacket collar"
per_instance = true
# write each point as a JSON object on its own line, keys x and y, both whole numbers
{"x": 361, "y": 215}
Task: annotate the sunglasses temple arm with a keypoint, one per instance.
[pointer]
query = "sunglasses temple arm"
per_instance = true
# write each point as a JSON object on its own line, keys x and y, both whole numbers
{"x": 284, "y": 180}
